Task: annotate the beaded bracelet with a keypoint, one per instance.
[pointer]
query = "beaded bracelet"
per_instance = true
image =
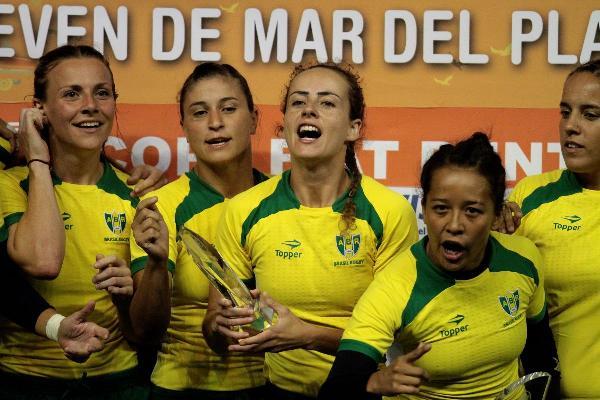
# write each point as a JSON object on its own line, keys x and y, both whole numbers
{"x": 38, "y": 160}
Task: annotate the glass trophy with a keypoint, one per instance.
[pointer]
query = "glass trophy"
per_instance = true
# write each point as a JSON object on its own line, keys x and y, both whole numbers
{"x": 539, "y": 381}
{"x": 225, "y": 280}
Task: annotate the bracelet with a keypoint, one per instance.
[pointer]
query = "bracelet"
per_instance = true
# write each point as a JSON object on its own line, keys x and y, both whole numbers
{"x": 38, "y": 160}
{"x": 52, "y": 326}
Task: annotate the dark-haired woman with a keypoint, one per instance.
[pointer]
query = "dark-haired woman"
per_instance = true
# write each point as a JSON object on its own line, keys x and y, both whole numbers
{"x": 218, "y": 117}
{"x": 68, "y": 213}
{"x": 561, "y": 215}
{"x": 313, "y": 237}
{"x": 456, "y": 302}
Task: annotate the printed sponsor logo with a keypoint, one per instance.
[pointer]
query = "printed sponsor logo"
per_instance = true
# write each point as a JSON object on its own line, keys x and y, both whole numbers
{"x": 115, "y": 221}
{"x": 570, "y": 225}
{"x": 65, "y": 217}
{"x": 510, "y": 302}
{"x": 456, "y": 329}
{"x": 291, "y": 252}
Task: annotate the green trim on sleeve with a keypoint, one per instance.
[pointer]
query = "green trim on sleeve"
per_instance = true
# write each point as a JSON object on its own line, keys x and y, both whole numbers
{"x": 566, "y": 185}
{"x": 504, "y": 259}
{"x": 12, "y": 219}
{"x": 430, "y": 282}
{"x": 537, "y": 318}
{"x": 140, "y": 263}
{"x": 360, "y": 347}
{"x": 201, "y": 196}
{"x": 282, "y": 199}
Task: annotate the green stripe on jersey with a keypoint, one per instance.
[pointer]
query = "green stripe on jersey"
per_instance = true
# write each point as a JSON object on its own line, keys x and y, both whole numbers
{"x": 504, "y": 259}
{"x": 110, "y": 183}
{"x": 360, "y": 347}
{"x": 140, "y": 263}
{"x": 200, "y": 197}
{"x": 281, "y": 199}
{"x": 566, "y": 185}
{"x": 429, "y": 283}
{"x": 364, "y": 211}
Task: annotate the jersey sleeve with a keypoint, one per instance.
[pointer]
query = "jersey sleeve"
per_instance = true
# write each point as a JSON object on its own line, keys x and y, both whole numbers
{"x": 228, "y": 242}
{"x": 13, "y": 199}
{"x": 537, "y": 305}
{"x": 139, "y": 256}
{"x": 399, "y": 233}
{"x": 376, "y": 317}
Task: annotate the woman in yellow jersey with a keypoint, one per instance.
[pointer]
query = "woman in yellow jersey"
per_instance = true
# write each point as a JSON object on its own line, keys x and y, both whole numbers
{"x": 68, "y": 214}
{"x": 560, "y": 214}
{"x": 313, "y": 237}
{"x": 218, "y": 117}
{"x": 456, "y": 302}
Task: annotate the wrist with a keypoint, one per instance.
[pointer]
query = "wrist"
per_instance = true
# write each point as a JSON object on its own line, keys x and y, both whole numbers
{"x": 36, "y": 161}
{"x": 53, "y": 325}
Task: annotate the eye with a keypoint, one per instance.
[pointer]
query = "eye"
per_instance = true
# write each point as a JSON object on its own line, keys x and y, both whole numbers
{"x": 564, "y": 113}
{"x": 297, "y": 102}
{"x": 591, "y": 115}
{"x": 328, "y": 103}
{"x": 473, "y": 211}
{"x": 199, "y": 113}
{"x": 70, "y": 94}
{"x": 229, "y": 109}
{"x": 104, "y": 93}
{"x": 439, "y": 208}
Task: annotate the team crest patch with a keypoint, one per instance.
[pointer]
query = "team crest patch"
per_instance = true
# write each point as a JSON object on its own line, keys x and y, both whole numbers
{"x": 115, "y": 221}
{"x": 348, "y": 245}
{"x": 510, "y": 302}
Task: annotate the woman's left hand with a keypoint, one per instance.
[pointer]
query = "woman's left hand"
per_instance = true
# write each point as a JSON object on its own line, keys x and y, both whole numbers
{"x": 113, "y": 275}
{"x": 146, "y": 179}
{"x": 287, "y": 333}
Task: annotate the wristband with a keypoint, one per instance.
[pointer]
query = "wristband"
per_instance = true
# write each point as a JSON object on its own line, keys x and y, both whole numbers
{"x": 38, "y": 160}
{"x": 52, "y": 326}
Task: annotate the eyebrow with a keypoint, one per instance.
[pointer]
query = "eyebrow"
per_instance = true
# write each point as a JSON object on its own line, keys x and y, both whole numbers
{"x": 584, "y": 106}
{"x": 325, "y": 93}
{"x": 203, "y": 103}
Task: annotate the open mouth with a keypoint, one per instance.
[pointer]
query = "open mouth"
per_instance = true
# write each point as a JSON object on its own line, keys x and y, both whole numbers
{"x": 452, "y": 250}
{"x": 573, "y": 145}
{"x": 217, "y": 141}
{"x": 309, "y": 132}
{"x": 88, "y": 124}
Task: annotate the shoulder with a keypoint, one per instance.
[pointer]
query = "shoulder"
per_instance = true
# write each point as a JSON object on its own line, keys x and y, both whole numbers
{"x": 515, "y": 253}
{"x": 534, "y": 191}
{"x": 15, "y": 177}
{"x": 271, "y": 190}
{"x": 114, "y": 182}
{"x": 384, "y": 199}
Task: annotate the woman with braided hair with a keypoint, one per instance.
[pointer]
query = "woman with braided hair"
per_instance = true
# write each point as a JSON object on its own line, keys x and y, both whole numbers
{"x": 312, "y": 237}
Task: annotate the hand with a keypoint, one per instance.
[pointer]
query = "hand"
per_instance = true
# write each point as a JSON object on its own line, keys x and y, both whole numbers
{"x": 113, "y": 275}
{"x": 31, "y": 125}
{"x": 79, "y": 338}
{"x": 289, "y": 332}
{"x": 509, "y": 219}
{"x": 146, "y": 179}
{"x": 228, "y": 318}
{"x": 402, "y": 376}
{"x": 150, "y": 231}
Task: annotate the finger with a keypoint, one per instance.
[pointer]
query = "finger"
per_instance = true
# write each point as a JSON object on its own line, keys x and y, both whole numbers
{"x": 225, "y": 303}
{"x": 243, "y": 349}
{"x": 508, "y": 219}
{"x": 409, "y": 373}
{"x": 417, "y": 353}
{"x": 255, "y": 293}
{"x": 147, "y": 203}
{"x": 258, "y": 339}
{"x": 121, "y": 290}
{"x": 114, "y": 281}
{"x": 111, "y": 272}
{"x": 404, "y": 389}
{"x": 105, "y": 261}
{"x": 267, "y": 300}
{"x": 233, "y": 334}
{"x": 98, "y": 331}
{"x": 154, "y": 179}
{"x": 82, "y": 314}
{"x": 135, "y": 176}
{"x": 233, "y": 321}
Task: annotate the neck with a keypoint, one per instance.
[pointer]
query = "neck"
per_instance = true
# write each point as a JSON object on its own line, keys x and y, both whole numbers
{"x": 589, "y": 181}
{"x": 318, "y": 185}
{"x": 230, "y": 178}
{"x": 82, "y": 168}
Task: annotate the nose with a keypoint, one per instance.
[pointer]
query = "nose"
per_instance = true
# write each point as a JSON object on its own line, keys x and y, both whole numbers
{"x": 90, "y": 103}
{"x": 215, "y": 122}
{"x": 309, "y": 110}
{"x": 571, "y": 124}
{"x": 455, "y": 224}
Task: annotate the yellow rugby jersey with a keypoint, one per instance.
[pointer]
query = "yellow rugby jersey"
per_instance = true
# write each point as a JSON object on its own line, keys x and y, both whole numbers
{"x": 185, "y": 361}
{"x": 563, "y": 220}
{"x": 97, "y": 220}
{"x": 476, "y": 327}
{"x": 297, "y": 255}
{"x": 5, "y": 150}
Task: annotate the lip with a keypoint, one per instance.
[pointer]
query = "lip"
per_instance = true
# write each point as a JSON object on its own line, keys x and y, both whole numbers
{"x": 217, "y": 142}
{"x": 452, "y": 255}
{"x": 79, "y": 125}
{"x": 308, "y": 139}
{"x": 571, "y": 147}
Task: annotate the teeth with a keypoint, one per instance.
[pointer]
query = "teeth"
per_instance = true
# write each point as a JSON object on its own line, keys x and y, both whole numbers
{"x": 89, "y": 124}
{"x": 308, "y": 128}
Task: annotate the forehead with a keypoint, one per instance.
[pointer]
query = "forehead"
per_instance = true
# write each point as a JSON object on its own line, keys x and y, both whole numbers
{"x": 320, "y": 80}
{"x": 79, "y": 71}
{"x": 582, "y": 87}
{"x": 214, "y": 88}
{"x": 464, "y": 184}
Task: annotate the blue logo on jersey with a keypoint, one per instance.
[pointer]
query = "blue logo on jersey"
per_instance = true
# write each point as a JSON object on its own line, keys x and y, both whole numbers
{"x": 348, "y": 245}
{"x": 510, "y": 302}
{"x": 115, "y": 222}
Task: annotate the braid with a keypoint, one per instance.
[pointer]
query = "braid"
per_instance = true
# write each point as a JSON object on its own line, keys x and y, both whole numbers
{"x": 349, "y": 211}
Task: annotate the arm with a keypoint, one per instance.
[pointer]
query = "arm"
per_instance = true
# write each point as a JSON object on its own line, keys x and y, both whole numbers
{"x": 39, "y": 252}
{"x": 146, "y": 178}
{"x": 150, "y": 307}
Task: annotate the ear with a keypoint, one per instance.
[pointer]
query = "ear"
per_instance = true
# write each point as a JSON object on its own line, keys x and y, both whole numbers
{"x": 254, "y": 122}
{"x": 37, "y": 103}
{"x": 354, "y": 131}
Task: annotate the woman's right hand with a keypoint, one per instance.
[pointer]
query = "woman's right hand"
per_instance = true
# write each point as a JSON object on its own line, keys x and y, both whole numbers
{"x": 228, "y": 319}
{"x": 401, "y": 376}
{"x": 31, "y": 125}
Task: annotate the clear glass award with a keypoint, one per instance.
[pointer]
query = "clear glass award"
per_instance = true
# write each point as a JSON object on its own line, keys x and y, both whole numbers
{"x": 536, "y": 382}
{"x": 225, "y": 280}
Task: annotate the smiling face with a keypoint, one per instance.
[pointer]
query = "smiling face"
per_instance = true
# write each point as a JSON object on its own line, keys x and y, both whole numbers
{"x": 580, "y": 126}
{"x": 317, "y": 121}
{"x": 217, "y": 121}
{"x": 458, "y": 212}
{"x": 79, "y": 104}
